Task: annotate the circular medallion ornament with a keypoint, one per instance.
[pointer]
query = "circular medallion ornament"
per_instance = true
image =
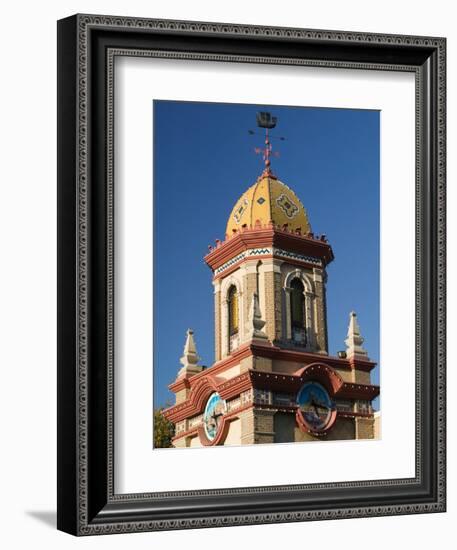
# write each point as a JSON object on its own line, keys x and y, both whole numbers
{"x": 212, "y": 415}
{"x": 316, "y": 410}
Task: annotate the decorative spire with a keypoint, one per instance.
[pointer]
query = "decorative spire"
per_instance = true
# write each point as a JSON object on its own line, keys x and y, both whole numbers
{"x": 354, "y": 339}
{"x": 265, "y": 120}
{"x": 255, "y": 322}
{"x": 189, "y": 359}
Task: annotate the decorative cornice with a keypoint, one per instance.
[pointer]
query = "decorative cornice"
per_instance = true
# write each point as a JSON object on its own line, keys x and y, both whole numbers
{"x": 235, "y": 386}
{"x": 295, "y": 256}
{"x": 229, "y": 417}
{"x": 257, "y": 31}
{"x": 195, "y": 403}
{"x": 351, "y": 414}
{"x": 273, "y": 381}
{"x": 254, "y": 349}
{"x": 180, "y": 384}
{"x": 269, "y": 240}
{"x": 361, "y": 364}
{"x": 231, "y": 360}
{"x": 323, "y": 373}
{"x": 275, "y": 352}
{"x": 358, "y": 391}
{"x": 266, "y": 252}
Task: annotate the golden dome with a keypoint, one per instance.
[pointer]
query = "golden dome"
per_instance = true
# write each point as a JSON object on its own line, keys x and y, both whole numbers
{"x": 268, "y": 200}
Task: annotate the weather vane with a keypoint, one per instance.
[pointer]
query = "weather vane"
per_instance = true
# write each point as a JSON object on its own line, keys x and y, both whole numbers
{"x": 267, "y": 121}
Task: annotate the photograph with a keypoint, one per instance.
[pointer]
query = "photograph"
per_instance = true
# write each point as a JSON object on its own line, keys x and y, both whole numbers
{"x": 251, "y": 272}
{"x": 266, "y": 274}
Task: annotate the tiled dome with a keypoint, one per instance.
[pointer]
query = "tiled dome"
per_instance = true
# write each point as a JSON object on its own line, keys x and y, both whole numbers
{"x": 268, "y": 200}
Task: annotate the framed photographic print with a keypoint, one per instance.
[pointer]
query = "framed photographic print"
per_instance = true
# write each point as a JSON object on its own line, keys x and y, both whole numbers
{"x": 251, "y": 274}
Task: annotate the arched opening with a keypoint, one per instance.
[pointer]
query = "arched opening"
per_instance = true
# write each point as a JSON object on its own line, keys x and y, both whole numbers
{"x": 297, "y": 312}
{"x": 233, "y": 317}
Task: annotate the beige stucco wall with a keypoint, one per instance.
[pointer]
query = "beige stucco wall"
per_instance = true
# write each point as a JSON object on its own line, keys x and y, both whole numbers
{"x": 343, "y": 429}
{"x": 257, "y": 426}
{"x": 377, "y": 425}
{"x": 181, "y": 395}
{"x": 229, "y": 373}
{"x": 194, "y": 442}
{"x": 284, "y": 426}
{"x": 263, "y": 364}
{"x": 234, "y": 433}
{"x": 264, "y": 426}
{"x": 365, "y": 428}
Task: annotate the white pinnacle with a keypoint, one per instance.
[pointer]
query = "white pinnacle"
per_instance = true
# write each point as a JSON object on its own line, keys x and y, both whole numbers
{"x": 190, "y": 356}
{"x": 255, "y": 322}
{"x": 354, "y": 339}
{"x": 189, "y": 359}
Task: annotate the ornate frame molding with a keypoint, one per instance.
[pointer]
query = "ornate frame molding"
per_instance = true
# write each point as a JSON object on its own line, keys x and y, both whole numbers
{"x": 88, "y": 45}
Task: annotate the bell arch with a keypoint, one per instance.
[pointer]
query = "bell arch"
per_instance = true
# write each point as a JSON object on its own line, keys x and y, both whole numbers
{"x": 300, "y": 318}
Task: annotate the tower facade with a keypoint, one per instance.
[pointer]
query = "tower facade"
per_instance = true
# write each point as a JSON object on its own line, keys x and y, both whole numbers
{"x": 273, "y": 379}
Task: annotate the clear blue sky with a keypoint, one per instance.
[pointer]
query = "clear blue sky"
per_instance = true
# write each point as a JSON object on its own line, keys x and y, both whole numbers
{"x": 204, "y": 160}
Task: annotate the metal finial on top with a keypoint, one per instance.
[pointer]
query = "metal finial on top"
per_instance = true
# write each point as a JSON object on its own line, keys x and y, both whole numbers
{"x": 267, "y": 121}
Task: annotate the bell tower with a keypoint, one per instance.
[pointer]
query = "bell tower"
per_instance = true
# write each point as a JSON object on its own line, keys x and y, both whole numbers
{"x": 273, "y": 379}
{"x": 270, "y": 251}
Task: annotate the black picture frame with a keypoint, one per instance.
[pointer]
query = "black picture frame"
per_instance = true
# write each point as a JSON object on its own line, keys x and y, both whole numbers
{"x": 87, "y": 45}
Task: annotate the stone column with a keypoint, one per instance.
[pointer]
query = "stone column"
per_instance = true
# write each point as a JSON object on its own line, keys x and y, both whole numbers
{"x": 288, "y": 316}
{"x": 249, "y": 288}
{"x": 270, "y": 272}
{"x": 320, "y": 311}
{"x": 264, "y": 431}
{"x": 247, "y": 427}
{"x": 217, "y": 321}
{"x": 365, "y": 428}
{"x": 224, "y": 326}
{"x": 310, "y": 323}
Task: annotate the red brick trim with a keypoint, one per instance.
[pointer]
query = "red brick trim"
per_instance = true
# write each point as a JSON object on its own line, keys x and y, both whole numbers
{"x": 229, "y": 417}
{"x": 362, "y": 364}
{"x": 235, "y": 266}
{"x": 187, "y": 433}
{"x": 235, "y": 386}
{"x": 220, "y": 435}
{"x": 275, "y": 352}
{"x": 358, "y": 391}
{"x": 351, "y": 414}
{"x": 324, "y": 374}
{"x": 275, "y": 381}
{"x": 195, "y": 402}
{"x": 259, "y": 237}
{"x": 233, "y": 359}
{"x": 179, "y": 384}
{"x": 270, "y": 352}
